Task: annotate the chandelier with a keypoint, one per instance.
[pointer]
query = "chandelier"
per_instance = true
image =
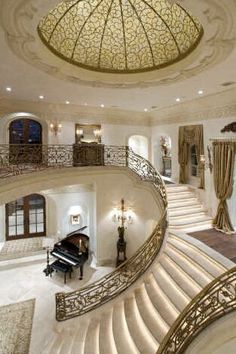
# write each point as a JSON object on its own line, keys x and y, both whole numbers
{"x": 120, "y": 36}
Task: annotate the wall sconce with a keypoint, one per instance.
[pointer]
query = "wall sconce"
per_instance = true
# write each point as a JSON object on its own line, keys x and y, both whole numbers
{"x": 55, "y": 128}
{"x": 205, "y": 165}
{"x": 80, "y": 134}
{"x": 122, "y": 215}
{"x": 97, "y": 133}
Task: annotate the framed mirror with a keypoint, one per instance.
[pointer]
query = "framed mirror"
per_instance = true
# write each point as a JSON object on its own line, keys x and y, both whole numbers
{"x": 87, "y": 133}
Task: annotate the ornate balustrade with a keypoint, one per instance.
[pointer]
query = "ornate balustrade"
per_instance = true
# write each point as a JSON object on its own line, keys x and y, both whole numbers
{"x": 20, "y": 159}
{"x": 217, "y": 299}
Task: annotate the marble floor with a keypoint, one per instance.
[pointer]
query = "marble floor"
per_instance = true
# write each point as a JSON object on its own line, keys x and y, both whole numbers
{"x": 25, "y": 281}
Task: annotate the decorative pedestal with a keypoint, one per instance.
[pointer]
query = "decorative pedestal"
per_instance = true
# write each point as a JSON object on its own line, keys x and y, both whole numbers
{"x": 121, "y": 252}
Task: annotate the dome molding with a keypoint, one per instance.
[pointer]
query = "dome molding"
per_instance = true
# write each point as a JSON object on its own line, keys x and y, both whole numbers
{"x": 139, "y": 36}
{"x": 19, "y": 19}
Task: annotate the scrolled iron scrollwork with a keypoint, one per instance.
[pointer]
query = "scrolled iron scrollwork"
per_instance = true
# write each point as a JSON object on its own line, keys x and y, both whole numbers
{"x": 216, "y": 300}
{"x": 20, "y": 159}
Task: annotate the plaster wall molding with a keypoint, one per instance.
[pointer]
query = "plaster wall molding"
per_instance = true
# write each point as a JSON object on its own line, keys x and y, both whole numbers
{"x": 219, "y": 105}
{"x": 19, "y": 19}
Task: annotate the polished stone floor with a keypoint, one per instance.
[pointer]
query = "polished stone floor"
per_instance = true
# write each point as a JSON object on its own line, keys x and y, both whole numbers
{"x": 27, "y": 281}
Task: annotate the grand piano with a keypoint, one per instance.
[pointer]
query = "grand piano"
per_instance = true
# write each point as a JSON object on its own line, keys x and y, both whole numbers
{"x": 72, "y": 251}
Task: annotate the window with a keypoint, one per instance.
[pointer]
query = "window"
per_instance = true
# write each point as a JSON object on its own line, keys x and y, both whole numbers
{"x": 25, "y": 217}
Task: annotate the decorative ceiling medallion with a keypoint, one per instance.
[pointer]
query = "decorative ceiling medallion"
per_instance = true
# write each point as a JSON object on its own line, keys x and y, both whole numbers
{"x": 120, "y": 36}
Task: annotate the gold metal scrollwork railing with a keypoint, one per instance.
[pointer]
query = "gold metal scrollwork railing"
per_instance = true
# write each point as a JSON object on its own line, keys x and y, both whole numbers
{"x": 20, "y": 159}
{"x": 217, "y": 299}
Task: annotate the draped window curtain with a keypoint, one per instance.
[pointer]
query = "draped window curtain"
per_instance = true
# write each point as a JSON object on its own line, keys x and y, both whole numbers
{"x": 190, "y": 135}
{"x": 223, "y": 169}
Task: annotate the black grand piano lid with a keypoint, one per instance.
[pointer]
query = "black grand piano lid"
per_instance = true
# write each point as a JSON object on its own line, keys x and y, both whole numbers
{"x": 69, "y": 243}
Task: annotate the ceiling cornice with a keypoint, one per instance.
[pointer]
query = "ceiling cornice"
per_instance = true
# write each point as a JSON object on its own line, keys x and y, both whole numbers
{"x": 219, "y": 105}
{"x": 63, "y": 112}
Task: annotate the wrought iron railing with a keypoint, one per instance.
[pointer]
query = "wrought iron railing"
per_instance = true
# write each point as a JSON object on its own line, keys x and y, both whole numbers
{"x": 216, "y": 300}
{"x": 19, "y": 159}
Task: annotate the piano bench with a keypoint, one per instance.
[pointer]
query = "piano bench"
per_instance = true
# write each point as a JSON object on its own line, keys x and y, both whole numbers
{"x": 62, "y": 267}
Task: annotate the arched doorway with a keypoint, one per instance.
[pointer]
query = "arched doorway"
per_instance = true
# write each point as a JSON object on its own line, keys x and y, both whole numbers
{"x": 25, "y": 131}
{"x": 25, "y": 139}
{"x": 139, "y": 144}
{"x": 25, "y": 217}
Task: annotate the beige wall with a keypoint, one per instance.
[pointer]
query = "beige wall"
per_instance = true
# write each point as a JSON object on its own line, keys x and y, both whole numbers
{"x": 212, "y": 128}
{"x": 110, "y": 185}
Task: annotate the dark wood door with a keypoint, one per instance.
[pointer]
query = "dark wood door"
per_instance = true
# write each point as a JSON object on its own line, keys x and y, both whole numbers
{"x": 25, "y": 217}
{"x": 25, "y": 139}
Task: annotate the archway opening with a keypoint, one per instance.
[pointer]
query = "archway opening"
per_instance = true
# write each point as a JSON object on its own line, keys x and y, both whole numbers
{"x": 139, "y": 144}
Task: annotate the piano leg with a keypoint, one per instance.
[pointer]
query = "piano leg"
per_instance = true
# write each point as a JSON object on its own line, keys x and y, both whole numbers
{"x": 81, "y": 272}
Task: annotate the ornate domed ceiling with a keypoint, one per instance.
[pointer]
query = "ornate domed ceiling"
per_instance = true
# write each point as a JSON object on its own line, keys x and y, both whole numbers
{"x": 120, "y": 36}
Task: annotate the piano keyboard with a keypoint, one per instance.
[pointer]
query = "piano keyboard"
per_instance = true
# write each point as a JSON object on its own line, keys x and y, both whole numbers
{"x": 66, "y": 259}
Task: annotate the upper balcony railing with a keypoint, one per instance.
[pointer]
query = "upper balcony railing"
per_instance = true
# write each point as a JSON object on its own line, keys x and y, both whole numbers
{"x": 21, "y": 159}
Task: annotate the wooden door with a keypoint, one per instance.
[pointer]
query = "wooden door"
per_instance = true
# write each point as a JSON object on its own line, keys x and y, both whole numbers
{"x": 25, "y": 217}
{"x": 25, "y": 139}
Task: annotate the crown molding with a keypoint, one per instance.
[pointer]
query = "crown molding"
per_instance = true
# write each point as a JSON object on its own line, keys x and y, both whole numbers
{"x": 74, "y": 113}
{"x": 219, "y": 105}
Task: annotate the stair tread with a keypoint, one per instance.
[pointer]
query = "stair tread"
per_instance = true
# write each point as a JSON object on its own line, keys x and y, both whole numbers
{"x": 138, "y": 330}
{"x": 91, "y": 345}
{"x": 123, "y": 340}
{"x": 195, "y": 271}
{"x": 153, "y": 320}
{"x": 189, "y": 286}
{"x": 160, "y": 301}
{"x": 172, "y": 289}
{"x": 108, "y": 345}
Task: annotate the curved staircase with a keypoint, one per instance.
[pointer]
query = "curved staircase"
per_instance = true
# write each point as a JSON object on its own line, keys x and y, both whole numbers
{"x": 186, "y": 213}
{"x": 137, "y": 321}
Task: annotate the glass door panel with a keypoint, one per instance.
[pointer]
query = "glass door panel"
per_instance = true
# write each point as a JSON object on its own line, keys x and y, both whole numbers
{"x": 25, "y": 217}
{"x": 25, "y": 132}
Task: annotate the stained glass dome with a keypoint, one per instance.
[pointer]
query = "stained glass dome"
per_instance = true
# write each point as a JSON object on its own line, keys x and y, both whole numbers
{"x": 120, "y": 36}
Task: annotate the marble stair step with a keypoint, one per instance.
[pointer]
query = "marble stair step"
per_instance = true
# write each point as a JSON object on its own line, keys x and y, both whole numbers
{"x": 155, "y": 323}
{"x": 193, "y": 269}
{"x": 190, "y": 287}
{"x": 123, "y": 340}
{"x": 186, "y": 221}
{"x": 212, "y": 266}
{"x": 92, "y": 338}
{"x": 106, "y": 337}
{"x": 186, "y": 210}
{"x": 181, "y": 203}
{"x": 176, "y": 295}
{"x": 142, "y": 337}
{"x": 77, "y": 346}
{"x": 160, "y": 301}
{"x": 179, "y": 196}
{"x": 195, "y": 228}
{"x": 191, "y": 212}
{"x": 173, "y": 188}
{"x": 193, "y": 216}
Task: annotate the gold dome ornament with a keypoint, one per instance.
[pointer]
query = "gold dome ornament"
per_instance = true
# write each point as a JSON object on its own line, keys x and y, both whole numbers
{"x": 120, "y": 36}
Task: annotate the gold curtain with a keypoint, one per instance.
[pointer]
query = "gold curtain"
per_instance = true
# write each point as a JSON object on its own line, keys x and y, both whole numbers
{"x": 223, "y": 168}
{"x": 189, "y": 135}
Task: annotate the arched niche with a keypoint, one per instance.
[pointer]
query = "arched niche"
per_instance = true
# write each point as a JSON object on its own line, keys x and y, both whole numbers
{"x": 139, "y": 144}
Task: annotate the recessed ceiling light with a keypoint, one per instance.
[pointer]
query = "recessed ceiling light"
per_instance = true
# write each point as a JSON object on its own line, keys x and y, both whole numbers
{"x": 67, "y": 102}
{"x": 177, "y": 99}
{"x": 41, "y": 97}
{"x": 200, "y": 92}
{"x": 102, "y": 105}
{"x": 8, "y": 89}
{"x": 145, "y": 109}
